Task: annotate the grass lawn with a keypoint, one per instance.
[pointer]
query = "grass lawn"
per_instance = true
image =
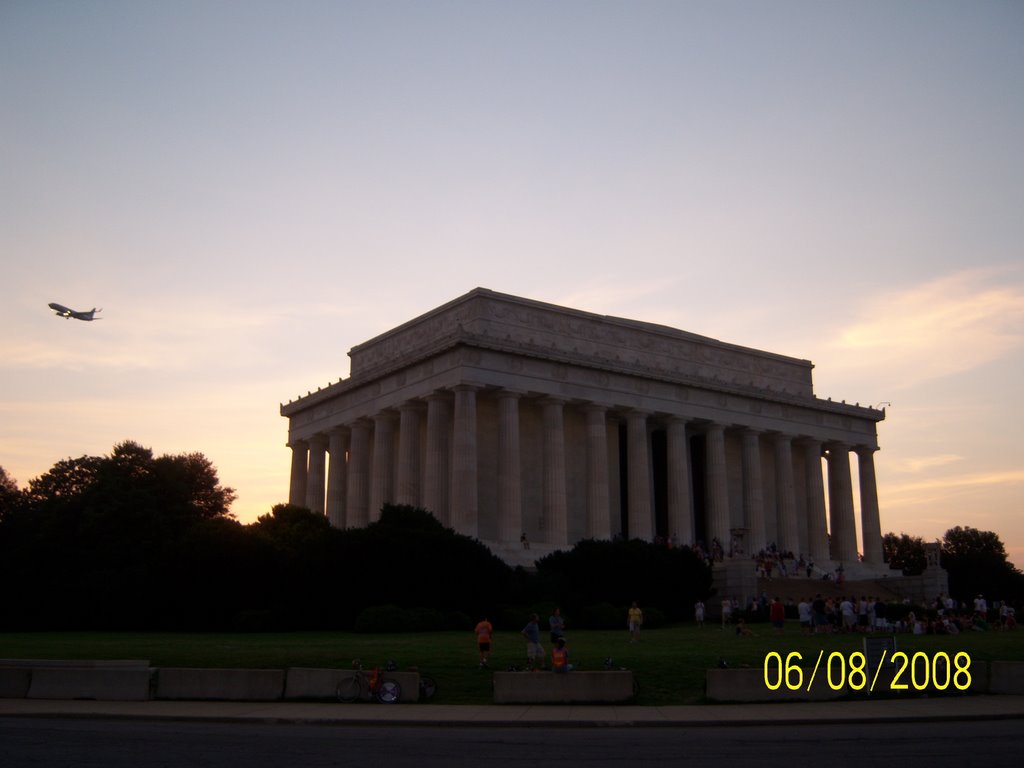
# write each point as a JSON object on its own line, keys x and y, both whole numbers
{"x": 669, "y": 663}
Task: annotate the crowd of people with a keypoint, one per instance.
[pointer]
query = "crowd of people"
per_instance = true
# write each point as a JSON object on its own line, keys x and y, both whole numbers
{"x": 817, "y": 615}
{"x": 849, "y": 613}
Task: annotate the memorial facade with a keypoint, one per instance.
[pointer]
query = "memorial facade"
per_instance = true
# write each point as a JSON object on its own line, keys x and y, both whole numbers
{"x": 509, "y": 419}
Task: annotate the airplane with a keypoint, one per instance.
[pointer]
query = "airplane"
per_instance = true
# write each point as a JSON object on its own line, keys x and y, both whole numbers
{"x": 67, "y": 314}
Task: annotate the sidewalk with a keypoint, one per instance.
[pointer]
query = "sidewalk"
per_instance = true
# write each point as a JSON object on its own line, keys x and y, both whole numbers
{"x": 946, "y": 708}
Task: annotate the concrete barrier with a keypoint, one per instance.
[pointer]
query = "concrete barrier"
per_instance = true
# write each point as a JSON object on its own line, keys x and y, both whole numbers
{"x": 310, "y": 683}
{"x": 749, "y": 685}
{"x": 558, "y": 688}
{"x": 14, "y": 682}
{"x": 220, "y": 684}
{"x": 740, "y": 685}
{"x": 90, "y": 683}
{"x": 1006, "y": 677}
{"x": 102, "y": 680}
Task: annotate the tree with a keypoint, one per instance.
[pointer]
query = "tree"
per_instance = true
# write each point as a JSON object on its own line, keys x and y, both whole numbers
{"x": 970, "y": 542}
{"x": 94, "y": 543}
{"x": 179, "y": 489}
{"x": 976, "y": 563}
{"x": 67, "y": 480}
{"x": 10, "y": 495}
{"x": 904, "y": 552}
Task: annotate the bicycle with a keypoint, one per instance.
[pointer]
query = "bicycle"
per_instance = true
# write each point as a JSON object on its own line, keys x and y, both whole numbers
{"x": 428, "y": 687}
{"x": 368, "y": 685}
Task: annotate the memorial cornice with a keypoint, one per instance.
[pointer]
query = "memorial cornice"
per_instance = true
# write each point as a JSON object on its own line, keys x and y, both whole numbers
{"x": 324, "y": 394}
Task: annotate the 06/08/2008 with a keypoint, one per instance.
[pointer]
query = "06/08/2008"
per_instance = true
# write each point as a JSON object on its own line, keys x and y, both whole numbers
{"x": 916, "y": 671}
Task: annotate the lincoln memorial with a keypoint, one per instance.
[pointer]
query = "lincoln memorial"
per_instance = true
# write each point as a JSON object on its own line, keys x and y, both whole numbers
{"x": 507, "y": 417}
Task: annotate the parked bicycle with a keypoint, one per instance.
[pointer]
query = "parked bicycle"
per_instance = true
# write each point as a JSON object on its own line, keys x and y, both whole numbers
{"x": 368, "y": 684}
{"x": 428, "y": 687}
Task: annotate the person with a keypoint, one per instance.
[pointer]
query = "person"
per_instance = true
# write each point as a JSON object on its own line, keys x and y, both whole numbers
{"x": 484, "y": 630}
{"x": 698, "y": 613}
{"x": 777, "y": 615}
{"x": 534, "y": 650}
{"x": 804, "y": 612}
{"x": 742, "y": 630}
{"x": 524, "y": 541}
{"x": 556, "y": 625}
{"x": 726, "y": 611}
{"x": 818, "y": 608}
{"x": 981, "y": 606}
{"x": 560, "y": 657}
{"x": 634, "y": 620}
{"x": 848, "y": 615}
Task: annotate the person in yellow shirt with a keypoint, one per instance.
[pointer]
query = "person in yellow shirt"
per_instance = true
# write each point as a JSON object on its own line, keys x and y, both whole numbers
{"x": 484, "y": 630}
{"x": 634, "y": 621}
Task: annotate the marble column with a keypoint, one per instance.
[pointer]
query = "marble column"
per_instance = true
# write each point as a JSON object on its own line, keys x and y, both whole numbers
{"x": 556, "y": 509}
{"x": 382, "y": 485}
{"x": 298, "y": 481}
{"x": 817, "y": 535}
{"x": 638, "y": 455}
{"x": 840, "y": 504}
{"x": 436, "y": 472}
{"x": 464, "y": 462}
{"x": 785, "y": 495}
{"x": 316, "y": 477}
{"x": 753, "y": 492}
{"x": 680, "y": 498}
{"x": 357, "y": 504}
{"x": 717, "y": 489}
{"x": 870, "y": 524}
{"x": 598, "y": 511}
{"x": 408, "y": 491}
{"x": 337, "y": 475}
{"x": 510, "y": 492}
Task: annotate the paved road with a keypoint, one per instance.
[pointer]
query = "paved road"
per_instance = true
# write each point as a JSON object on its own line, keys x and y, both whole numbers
{"x": 131, "y": 744}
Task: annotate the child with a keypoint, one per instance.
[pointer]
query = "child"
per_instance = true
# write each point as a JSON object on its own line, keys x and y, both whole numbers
{"x": 484, "y": 630}
{"x": 534, "y": 650}
{"x": 560, "y": 657}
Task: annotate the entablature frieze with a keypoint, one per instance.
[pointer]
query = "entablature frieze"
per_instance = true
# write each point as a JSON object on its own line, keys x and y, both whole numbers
{"x": 488, "y": 370}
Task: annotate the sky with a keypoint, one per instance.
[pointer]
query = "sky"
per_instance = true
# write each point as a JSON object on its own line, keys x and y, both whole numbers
{"x": 249, "y": 189}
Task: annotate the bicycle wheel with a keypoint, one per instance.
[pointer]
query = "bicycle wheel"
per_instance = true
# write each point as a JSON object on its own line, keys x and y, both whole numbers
{"x": 389, "y": 692}
{"x": 348, "y": 689}
{"x": 428, "y": 687}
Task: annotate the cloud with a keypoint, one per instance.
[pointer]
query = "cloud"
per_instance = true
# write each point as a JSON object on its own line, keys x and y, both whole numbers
{"x": 611, "y": 295}
{"x": 949, "y": 325}
{"x": 941, "y": 488}
{"x": 915, "y": 464}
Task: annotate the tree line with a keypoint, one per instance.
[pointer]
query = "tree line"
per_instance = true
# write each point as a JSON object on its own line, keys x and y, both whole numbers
{"x": 143, "y": 542}
{"x": 131, "y": 540}
{"x": 975, "y": 561}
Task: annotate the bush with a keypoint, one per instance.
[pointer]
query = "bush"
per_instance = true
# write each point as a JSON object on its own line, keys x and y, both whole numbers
{"x": 619, "y": 572}
{"x": 602, "y": 616}
{"x": 654, "y": 618}
{"x": 459, "y": 621}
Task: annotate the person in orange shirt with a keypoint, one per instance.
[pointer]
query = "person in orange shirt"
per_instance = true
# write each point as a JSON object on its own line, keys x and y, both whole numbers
{"x": 484, "y": 630}
{"x": 560, "y": 657}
